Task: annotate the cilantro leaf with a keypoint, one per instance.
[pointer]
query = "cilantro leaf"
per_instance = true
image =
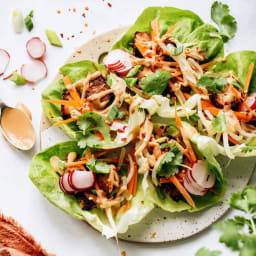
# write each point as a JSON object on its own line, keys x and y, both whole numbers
{"x": 219, "y": 123}
{"x": 227, "y": 23}
{"x": 88, "y": 123}
{"x": 156, "y": 83}
{"x": 230, "y": 233}
{"x": 98, "y": 166}
{"x": 169, "y": 164}
{"x": 206, "y": 252}
{"x": 212, "y": 82}
{"x": 244, "y": 201}
{"x": 249, "y": 246}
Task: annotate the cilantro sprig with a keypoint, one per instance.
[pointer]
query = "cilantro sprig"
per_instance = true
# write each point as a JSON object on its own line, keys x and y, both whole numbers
{"x": 212, "y": 82}
{"x": 227, "y": 23}
{"x": 238, "y": 233}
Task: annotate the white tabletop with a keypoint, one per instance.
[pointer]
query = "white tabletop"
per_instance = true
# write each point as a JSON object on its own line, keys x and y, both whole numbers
{"x": 19, "y": 198}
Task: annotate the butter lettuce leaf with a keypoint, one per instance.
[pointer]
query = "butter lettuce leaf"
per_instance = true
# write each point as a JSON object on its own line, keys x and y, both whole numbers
{"x": 239, "y": 63}
{"x": 47, "y": 181}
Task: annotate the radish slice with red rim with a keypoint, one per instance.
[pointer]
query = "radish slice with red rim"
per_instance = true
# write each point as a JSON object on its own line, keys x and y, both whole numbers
{"x": 34, "y": 71}
{"x": 81, "y": 180}
{"x": 250, "y": 101}
{"x": 4, "y": 60}
{"x": 119, "y": 61}
{"x": 36, "y": 48}
{"x": 64, "y": 185}
{"x": 202, "y": 175}
{"x": 192, "y": 187}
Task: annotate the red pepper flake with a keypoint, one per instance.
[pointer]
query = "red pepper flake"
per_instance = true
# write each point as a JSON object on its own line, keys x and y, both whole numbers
{"x": 58, "y": 11}
{"x": 86, "y": 25}
{"x": 120, "y": 130}
{"x": 61, "y": 35}
{"x": 108, "y": 40}
{"x": 109, "y": 4}
{"x": 83, "y": 15}
{"x": 67, "y": 38}
{"x": 86, "y": 8}
{"x": 79, "y": 51}
{"x": 73, "y": 36}
{"x": 74, "y": 9}
{"x": 123, "y": 139}
{"x": 81, "y": 32}
{"x": 123, "y": 253}
{"x": 33, "y": 88}
{"x": 153, "y": 235}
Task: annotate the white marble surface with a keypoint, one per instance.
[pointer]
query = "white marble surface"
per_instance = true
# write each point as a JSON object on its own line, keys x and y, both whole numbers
{"x": 58, "y": 232}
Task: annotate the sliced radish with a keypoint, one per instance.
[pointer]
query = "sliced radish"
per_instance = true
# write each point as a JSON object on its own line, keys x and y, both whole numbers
{"x": 64, "y": 185}
{"x": 4, "y": 60}
{"x": 36, "y": 48}
{"x": 81, "y": 180}
{"x": 202, "y": 175}
{"x": 192, "y": 187}
{"x": 119, "y": 61}
{"x": 250, "y": 101}
{"x": 34, "y": 71}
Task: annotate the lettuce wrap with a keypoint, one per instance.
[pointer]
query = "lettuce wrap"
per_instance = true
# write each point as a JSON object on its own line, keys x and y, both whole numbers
{"x": 46, "y": 180}
{"x": 83, "y": 130}
{"x": 168, "y": 165}
{"x": 238, "y": 63}
{"x": 191, "y": 29}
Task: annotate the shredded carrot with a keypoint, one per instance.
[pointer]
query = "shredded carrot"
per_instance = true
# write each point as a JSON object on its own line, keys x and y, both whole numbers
{"x": 177, "y": 74}
{"x": 99, "y": 134}
{"x": 96, "y": 185}
{"x": 87, "y": 156}
{"x": 169, "y": 32}
{"x": 186, "y": 95}
{"x": 69, "y": 120}
{"x": 127, "y": 206}
{"x": 106, "y": 211}
{"x": 208, "y": 64}
{"x": 191, "y": 152}
{"x": 73, "y": 164}
{"x": 181, "y": 189}
{"x": 233, "y": 140}
{"x": 234, "y": 90}
{"x": 155, "y": 29}
{"x": 134, "y": 189}
{"x": 111, "y": 160}
{"x": 142, "y": 49}
{"x": 248, "y": 78}
{"x": 245, "y": 104}
{"x": 52, "y": 114}
{"x": 64, "y": 102}
{"x": 73, "y": 92}
{"x": 103, "y": 152}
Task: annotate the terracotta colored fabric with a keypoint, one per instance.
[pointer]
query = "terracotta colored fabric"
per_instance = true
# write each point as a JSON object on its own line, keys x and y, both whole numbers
{"x": 15, "y": 241}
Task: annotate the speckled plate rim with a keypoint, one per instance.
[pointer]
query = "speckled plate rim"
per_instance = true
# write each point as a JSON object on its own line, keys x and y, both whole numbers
{"x": 92, "y": 50}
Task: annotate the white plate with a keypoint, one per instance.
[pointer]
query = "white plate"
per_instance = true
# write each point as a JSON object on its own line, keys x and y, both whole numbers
{"x": 168, "y": 226}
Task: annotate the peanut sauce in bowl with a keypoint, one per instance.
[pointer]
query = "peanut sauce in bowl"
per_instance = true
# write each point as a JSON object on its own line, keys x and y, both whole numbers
{"x": 17, "y": 127}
